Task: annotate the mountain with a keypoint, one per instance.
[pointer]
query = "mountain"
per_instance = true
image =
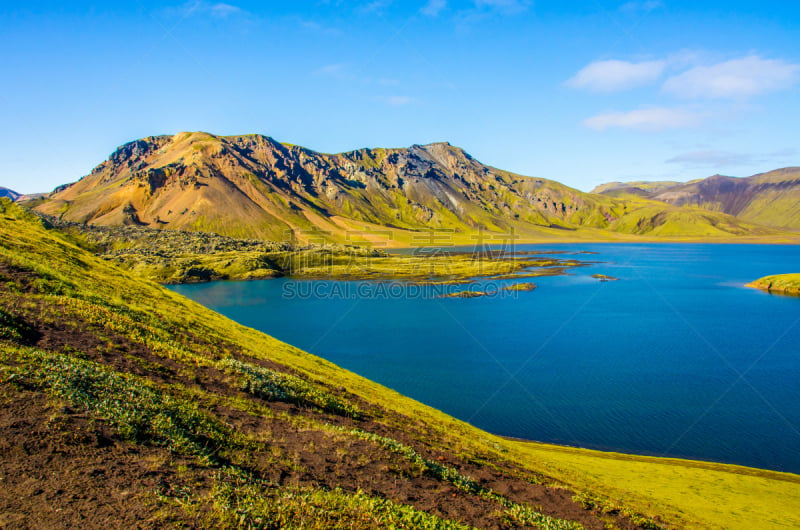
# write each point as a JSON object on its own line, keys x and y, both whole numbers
{"x": 636, "y": 189}
{"x": 123, "y": 404}
{"x": 11, "y": 194}
{"x": 768, "y": 199}
{"x": 254, "y": 186}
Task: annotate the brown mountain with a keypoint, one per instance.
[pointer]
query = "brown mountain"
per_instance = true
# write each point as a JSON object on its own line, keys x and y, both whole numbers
{"x": 254, "y": 186}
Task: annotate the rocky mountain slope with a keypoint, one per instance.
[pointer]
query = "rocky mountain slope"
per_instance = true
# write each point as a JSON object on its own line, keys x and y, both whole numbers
{"x": 254, "y": 186}
{"x": 10, "y": 194}
{"x": 768, "y": 199}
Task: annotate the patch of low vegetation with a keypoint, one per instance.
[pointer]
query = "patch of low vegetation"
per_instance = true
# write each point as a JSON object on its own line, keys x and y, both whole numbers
{"x": 604, "y": 278}
{"x": 136, "y": 409}
{"x": 465, "y": 294}
{"x": 524, "y": 286}
{"x": 518, "y": 513}
{"x": 11, "y": 327}
{"x": 780, "y": 283}
{"x": 173, "y": 256}
{"x": 240, "y": 500}
{"x": 276, "y": 386}
{"x": 599, "y": 505}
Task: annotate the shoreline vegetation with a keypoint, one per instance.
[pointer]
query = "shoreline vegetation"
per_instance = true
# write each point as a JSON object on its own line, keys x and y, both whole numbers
{"x": 604, "y": 278}
{"x": 785, "y": 284}
{"x": 224, "y": 425}
{"x": 174, "y": 257}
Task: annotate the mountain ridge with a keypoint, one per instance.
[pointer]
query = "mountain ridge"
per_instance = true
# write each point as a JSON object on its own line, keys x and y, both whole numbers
{"x": 11, "y": 194}
{"x": 255, "y": 186}
{"x": 770, "y": 198}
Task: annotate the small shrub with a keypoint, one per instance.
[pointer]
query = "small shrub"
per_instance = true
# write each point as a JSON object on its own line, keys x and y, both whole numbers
{"x": 241, "y": 501}
{"x": 137, "y": 410}
{"x": 276, "y": 386}
{"x": 518, "y": 513}
{"x": 11, "y": 327}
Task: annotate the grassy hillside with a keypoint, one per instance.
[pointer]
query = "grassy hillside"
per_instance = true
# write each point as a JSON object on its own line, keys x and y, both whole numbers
{"x": 779, "y": 283}
{"x": 176, "y": 256}
{"x": 634, "y": 189}
{"x": 125, "y": 404}
{"x": 767, "y": 199}
{"x": 255, "y": 187}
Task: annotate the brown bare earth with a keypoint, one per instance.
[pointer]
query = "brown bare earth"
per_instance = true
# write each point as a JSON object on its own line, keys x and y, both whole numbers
{"x": 59, "y": 466}
{"x": 123, "y": 405}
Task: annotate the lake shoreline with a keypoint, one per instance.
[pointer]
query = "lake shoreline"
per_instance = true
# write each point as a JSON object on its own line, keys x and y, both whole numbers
{"x": 606, "y": 357}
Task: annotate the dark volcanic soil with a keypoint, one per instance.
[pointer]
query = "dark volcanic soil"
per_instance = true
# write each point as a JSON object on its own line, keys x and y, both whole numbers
{"x": 59, "y": 467}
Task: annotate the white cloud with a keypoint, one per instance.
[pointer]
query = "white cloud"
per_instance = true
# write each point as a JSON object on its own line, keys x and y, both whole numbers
{"x": 504, "y": 6}
{"x": 718, "y": 159}
{"x": 650, "y": 119}
{"x": 315, "y": 26}
{"x": 433, "y": 7}
{"x": 338, "y": 71}
{"x": 610, "y": 76}
{"x": 376, "y": 6}
{"x": 224, "y": 10}
{"x": 219, "y": 10}
{"x": 647, "y": 6}
{"x": 737, "y": 78}
{"x": 712, "y": 158}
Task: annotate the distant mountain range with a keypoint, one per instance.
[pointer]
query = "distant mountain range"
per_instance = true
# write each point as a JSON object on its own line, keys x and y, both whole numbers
{"x": 254, "y": 186}
{"x": 11, "y": 194}
{"x": 768, "y": 199}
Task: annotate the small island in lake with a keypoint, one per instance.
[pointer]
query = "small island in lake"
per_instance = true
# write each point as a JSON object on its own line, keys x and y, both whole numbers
{"x": 779, "y": 283}
{"x": 604, "y": 278}
{"x": 464, "y": 294}
{"x": 525, "y": 286}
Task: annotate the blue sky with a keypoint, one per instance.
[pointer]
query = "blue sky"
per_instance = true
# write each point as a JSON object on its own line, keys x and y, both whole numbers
{"x": 581, "y": 92}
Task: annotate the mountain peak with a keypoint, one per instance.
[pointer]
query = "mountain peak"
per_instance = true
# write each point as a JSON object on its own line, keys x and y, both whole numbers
{"x": 11, "y": 194}
{"x": 254, "y": 186}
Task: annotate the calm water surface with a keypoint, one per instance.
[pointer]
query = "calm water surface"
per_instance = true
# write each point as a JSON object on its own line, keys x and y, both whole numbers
{"x": 676, "y": 358}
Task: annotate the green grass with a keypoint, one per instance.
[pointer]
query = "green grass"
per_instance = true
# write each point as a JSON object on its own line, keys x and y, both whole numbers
{"x": 524, "y": 286}
{"x": 60, "y": 283}
{"x": 518, "y": 513}
{"x": 604, "y": 278}
{"x": 464, "y": 294}
{"x": 241, "y": 501}
{"x": 136, "y": 409}
{"x": 779, "y": 283}
{"x": 276, "y": 386}
{"x": 684, "y": 493}
{"x": 173, "y": 256}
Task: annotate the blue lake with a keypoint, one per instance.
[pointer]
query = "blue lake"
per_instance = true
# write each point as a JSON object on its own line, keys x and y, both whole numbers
{"x": 675, "y": 359}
